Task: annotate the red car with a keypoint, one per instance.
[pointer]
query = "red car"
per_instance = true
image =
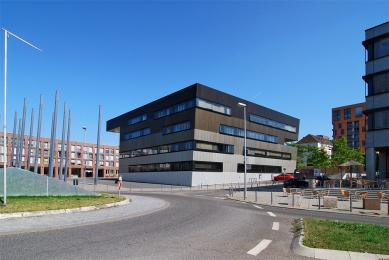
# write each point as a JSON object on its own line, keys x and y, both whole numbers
{"x": 283, "y": 176}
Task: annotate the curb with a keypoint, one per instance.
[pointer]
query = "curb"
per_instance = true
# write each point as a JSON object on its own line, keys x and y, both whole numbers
{"x": 61, "y": 211}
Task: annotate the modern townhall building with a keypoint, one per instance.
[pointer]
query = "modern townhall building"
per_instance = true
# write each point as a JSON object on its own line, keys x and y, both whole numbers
{"x": 79, "y": 155}
{"x": 350, "y": 122}
{"x": 196, "y": 136}
{"x": 376, "y": 80}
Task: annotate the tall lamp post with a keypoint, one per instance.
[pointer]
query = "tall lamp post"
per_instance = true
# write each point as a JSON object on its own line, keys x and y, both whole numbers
{"x": 244, "y": 150}
{"x": 84, "y": 127}
{"x": 6, "y": 36}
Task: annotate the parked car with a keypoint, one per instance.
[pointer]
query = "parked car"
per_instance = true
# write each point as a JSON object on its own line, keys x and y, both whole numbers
{"x": 321, "y": 179}
{"x": 295, "y": 182}
{"x": 283, "y": 176}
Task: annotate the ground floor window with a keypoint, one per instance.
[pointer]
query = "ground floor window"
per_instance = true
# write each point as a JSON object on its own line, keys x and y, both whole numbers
{"x": 177, "y": 166}
{"x": 255, "y": 168}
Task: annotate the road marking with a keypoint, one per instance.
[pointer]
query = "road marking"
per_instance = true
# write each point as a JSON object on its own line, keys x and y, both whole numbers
{"x": 220, "y": 198}
{"x": 271, "y": 214}
{"x": 276, "y": 226}
{"x": 261, "y": 246}
{"x": 258, "y": 207}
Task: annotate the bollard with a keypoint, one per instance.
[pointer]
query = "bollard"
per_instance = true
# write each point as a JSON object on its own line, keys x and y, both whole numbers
{"x": 271, "y": 198}
{"x": 207, "y": 186}
{"x": 351, "y": 205}
{"x": 293, "y": 200}
{"x": 215, "y": 186}
{"x": 107, "y": 186}
{"x": 181, "y": 186}
{"x": 201, "y": 185}
{"x": 256, "y": 197}
{"x": 319, "y": 202}
{"x": 130, "y": 186}
{"x": 223, "y": 185}
{"x": 171, "y": 186}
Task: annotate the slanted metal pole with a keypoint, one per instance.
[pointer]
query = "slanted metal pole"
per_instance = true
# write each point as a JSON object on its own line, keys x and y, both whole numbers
{"x": 67, "y": 148}
{"x": 53, "y": 135}
{"x": 62, "y": 142}
{"x": 30, "y": 140}
{"x": 22, "y": 134}
{"x": 98, "y": 148}
{"x": 11, "y": 161}
{"x": 17, "y": 163}
{"x": 38, "y": 136}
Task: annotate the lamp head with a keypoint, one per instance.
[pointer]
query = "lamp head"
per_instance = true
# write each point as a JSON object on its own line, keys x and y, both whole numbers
{"x": 84, "y": 127}
{"x": 241, "y": 104}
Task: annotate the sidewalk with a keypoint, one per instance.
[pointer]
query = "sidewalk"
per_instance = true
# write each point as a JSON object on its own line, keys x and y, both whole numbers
{"x": 278, "y": 199}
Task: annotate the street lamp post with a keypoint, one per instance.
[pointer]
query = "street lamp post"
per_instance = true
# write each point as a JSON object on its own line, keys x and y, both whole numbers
{"x": 244, "y": 150}
{"x": 84, "y": 127}
{"x": 6, "y": 36}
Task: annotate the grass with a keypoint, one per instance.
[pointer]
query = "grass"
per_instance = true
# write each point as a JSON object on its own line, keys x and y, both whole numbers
{"x": 346, "y": 236}
{"x": 42, "y": 203}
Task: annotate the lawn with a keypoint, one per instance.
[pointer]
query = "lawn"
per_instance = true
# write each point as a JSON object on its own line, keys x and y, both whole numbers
{"x": 346, "y": 236}
{"x": 42, "y": 203}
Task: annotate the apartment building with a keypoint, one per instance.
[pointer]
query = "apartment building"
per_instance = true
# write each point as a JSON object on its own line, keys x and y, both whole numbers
{"x": 82, "y": 159}
{"x": 320, "y": 141}
{"x": 376, "y": 79}
{"x": 350, "y": 122}
{"x": 196, "y": 136}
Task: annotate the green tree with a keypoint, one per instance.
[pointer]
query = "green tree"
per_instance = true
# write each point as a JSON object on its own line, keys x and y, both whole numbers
{"x": 318, "y": 157}
{"x": 342, "y": 153}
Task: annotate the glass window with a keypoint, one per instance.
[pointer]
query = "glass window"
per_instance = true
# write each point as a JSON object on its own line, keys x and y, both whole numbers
{"x": 358, "y": 112}
{"x": 265, "y": 121}
{"x": 339, "y": 125}
{"x": 176, "y": 128}
{"x": 137, "y": 119}
{"x": 174, "y": 109}
{"x": 342, "y": 131}
{"x": 347, "y": 113}
{"x": 381, "y": 48}
{"x": 381, "y": 119}
{"x": 213, "y": 106}
{"x": 250, "y": 134}
{"x": 137, "y": 133}
{"x": 337, "y": 115}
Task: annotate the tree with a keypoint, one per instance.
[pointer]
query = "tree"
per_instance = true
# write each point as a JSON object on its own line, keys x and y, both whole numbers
{"x": 342, "y": 153}
{"x": 317, "y": 157}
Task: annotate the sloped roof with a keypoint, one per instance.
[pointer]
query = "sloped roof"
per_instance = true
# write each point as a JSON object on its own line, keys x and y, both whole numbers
{"x": 315, "y": 139}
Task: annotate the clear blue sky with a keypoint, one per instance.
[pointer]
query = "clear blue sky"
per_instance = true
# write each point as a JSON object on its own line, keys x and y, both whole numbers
{"x": 301, "y": 58}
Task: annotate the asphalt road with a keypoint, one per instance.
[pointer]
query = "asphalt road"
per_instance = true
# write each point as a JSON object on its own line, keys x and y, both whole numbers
{"x": 196, "y": 225}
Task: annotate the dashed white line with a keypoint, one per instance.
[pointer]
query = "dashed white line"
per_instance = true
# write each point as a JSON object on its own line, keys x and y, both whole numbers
{"x": 271, "y": 214}
{"x": 276, "y": 226}
{"x": 220, "y": 198}
{"x": 258, "y": 207}
{"x": 261, "y": 246}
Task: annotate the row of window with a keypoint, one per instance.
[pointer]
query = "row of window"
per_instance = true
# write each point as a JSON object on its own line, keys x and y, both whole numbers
{"x": 273, "y": 123}
{"x": 198, "y": 102}
{"x": 176, "y": 147}
{"x": 347, "y": 113}
{"x": 176, "y": 128}
{"x": 229, "y": 130}
{"x": 137, "y": 133}
{"x": 137, "y": 119}
{"x": 254, "y": 168}
{"x": 201, "y": 166}
{"x": 270, "y": 154}
{"x": 177, "y": 166}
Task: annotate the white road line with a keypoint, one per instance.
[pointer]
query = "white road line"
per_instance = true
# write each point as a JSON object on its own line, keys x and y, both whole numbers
{"x": 220, "y": 198}
{"x": 271, "y": 214}
{"x": 276, "y": 226}
{"x": 258, "y": 207}
{"x": 261, "y": 246}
